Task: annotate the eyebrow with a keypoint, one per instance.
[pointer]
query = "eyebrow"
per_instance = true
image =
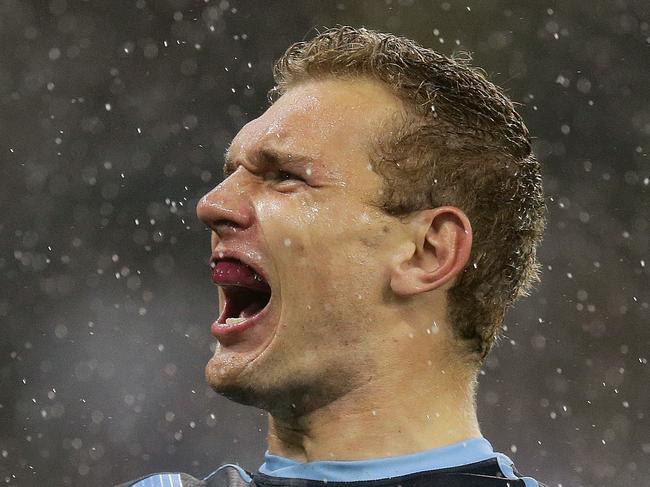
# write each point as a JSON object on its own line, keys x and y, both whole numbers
{"x": 228, "y": 164}
{"x": 269, "y": 157}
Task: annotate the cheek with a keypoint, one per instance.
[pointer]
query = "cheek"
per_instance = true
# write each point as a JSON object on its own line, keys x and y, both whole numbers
{"x": 302, "y": 243}
{"x": 322, "y": 247}
{"x": 292, "y": 224}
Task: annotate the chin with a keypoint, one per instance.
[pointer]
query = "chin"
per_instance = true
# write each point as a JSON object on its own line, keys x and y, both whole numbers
{"x": 225, "y": 372}
{"x": 242, "y": 391}
{"x": 233, "y": 375}
{"x": 283, "y": 392}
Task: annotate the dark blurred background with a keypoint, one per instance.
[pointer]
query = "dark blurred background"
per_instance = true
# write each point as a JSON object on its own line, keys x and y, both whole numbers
{"x": 113, "y": 120}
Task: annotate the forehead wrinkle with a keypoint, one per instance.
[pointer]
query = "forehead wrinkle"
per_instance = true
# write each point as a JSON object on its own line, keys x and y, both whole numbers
{"x": 270, "y": 156}
{"x": 277, "y": 157}
{"x": 287, "y": 129}
{"x": 283, "y": 126}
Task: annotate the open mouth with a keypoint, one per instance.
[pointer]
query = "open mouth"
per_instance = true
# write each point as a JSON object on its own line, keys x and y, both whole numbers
{"x": 242, "y": 303}
{"x": 247, "y": 295}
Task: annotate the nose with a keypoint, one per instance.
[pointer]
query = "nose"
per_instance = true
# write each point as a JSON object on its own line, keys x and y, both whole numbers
{"x": 226, "y": 208}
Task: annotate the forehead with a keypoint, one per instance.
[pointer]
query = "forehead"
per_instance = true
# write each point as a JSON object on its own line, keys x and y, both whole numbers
{"x": 327, "y": 120}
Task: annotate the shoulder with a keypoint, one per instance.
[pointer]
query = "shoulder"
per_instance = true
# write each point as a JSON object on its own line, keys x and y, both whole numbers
{"x": 228, "y": 475}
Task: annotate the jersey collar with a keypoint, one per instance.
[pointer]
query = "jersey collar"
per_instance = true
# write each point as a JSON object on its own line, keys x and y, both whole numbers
{"x": 464, "y": 452}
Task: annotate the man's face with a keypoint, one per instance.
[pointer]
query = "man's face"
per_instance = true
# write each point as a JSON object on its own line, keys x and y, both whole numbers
{"x": 325, "y": 250}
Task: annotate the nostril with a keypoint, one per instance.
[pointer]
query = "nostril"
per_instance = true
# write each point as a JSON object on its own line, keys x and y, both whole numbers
{"x": 222, "y": 227}
{"x": 227, "y": 223}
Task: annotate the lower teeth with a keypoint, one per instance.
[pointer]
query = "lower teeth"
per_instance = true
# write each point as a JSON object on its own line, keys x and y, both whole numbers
{"x": 234, "y": 321}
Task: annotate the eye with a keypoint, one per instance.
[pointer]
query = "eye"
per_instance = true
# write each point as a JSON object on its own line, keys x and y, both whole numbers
{"x": 284, "y": 176}
{"x": 288, "y": 176}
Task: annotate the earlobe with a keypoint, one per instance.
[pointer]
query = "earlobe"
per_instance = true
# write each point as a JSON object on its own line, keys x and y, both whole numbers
{"x": 438, "y": 252}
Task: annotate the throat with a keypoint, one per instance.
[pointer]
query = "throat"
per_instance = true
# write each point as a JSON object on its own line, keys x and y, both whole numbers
{"x": 367, "y": 424}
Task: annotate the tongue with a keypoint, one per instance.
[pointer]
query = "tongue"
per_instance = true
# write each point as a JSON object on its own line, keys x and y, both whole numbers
{"x": 235, "y": 273}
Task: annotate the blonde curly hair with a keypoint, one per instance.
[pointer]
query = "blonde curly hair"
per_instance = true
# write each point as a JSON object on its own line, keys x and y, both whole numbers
{"x": 461, "y": 143}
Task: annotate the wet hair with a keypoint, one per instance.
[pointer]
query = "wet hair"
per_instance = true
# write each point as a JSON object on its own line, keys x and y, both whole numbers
{"x": 459, "y": 142}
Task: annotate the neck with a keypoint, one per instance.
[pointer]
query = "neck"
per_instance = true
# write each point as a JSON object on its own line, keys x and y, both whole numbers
{"x": 403, "y": 412}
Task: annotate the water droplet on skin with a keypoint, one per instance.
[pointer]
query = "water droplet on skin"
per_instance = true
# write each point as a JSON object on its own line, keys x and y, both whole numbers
{"x": 364, "y": 218}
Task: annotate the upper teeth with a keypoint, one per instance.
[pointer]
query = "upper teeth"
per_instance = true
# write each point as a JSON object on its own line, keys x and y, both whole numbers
{"x": 234, "y": 321}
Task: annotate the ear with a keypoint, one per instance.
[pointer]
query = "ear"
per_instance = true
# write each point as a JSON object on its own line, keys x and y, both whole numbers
{"x": 438, "y": 250}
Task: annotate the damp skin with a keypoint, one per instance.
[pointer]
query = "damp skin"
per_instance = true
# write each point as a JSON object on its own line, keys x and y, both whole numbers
{"x": 325, "y": 247}
{"x": 337, "y": 342}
